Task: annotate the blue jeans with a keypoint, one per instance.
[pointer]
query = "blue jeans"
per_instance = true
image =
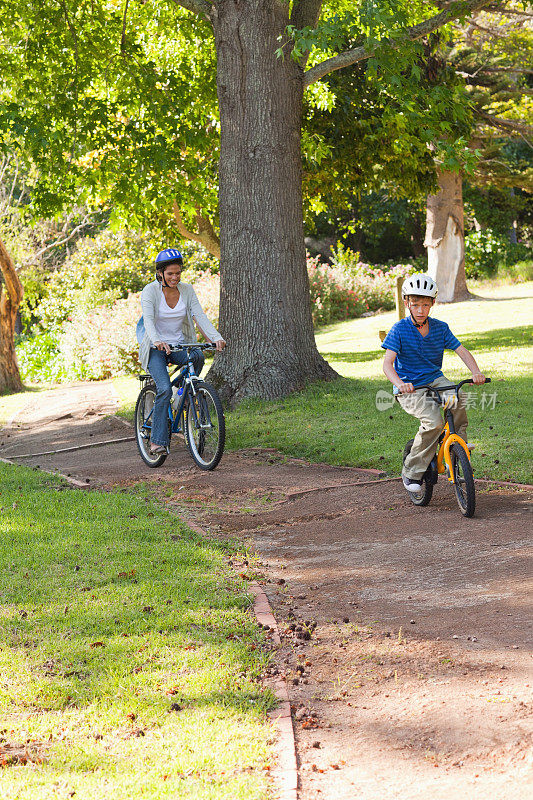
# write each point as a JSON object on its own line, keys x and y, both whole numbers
{"x": 157, "y": 367}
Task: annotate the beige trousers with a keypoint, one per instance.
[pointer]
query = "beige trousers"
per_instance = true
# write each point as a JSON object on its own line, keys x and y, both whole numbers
{"x": 420, "y": 405}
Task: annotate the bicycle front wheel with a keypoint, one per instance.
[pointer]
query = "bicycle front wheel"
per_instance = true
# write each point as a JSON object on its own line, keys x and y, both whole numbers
{"x": 205, "y": 428}
{"x": 143, "y": 426}
{"x": 463, "y": 476}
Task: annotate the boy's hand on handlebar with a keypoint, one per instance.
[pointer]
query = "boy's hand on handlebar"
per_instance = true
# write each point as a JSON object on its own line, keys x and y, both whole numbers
{"x": 219, "y": 345}
{"x": 406, "y": 388}
{"x": 478, "y": 377}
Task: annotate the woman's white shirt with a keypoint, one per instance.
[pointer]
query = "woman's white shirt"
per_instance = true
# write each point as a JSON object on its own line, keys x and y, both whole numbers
{"x": 169, "y": 321}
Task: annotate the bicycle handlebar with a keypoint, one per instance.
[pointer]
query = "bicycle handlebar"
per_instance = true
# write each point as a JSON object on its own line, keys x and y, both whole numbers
{"x": 199, "y": 345}
{"x": 455, "y": 387}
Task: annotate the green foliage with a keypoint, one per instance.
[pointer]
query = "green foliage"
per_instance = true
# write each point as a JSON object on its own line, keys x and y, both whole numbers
{"x": 39, "y": 359}
{"x": 486, "y": 252}
{"x": 100, "y": 271}
{"x": 197, "y": 261}
{"x": 125, "y": 119}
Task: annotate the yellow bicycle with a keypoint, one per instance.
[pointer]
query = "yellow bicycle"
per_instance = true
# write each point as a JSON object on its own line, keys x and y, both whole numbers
{"x": 452, "y": 457}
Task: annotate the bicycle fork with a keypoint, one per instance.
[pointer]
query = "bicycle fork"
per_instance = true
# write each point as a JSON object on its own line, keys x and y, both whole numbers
{"x": 443, "y": 457}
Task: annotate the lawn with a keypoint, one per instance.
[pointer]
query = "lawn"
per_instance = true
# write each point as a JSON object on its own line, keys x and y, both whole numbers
{"x": 338, "y": 423}
{"x": 129, "y": 657}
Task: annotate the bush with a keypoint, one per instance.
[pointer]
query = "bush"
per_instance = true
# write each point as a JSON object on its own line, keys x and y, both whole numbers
{"x": 349, "y": 288}
{"x": 39, "y": 359}
{"x": 487, "y": 253}
{"x": 101, "y": 343}
{"x": 100, "y": 271}
{"x": 97, "y": 343}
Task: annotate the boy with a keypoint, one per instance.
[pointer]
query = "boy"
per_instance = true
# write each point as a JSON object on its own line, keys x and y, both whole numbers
{"x": 414, "y": 348}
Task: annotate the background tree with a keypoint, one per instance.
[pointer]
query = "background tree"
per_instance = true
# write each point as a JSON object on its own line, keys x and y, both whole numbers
{"x": 491, "y": 51}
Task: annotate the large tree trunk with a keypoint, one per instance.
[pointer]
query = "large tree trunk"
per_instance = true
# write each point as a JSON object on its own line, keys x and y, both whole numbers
{"x": 445, "y": 238}
{"x": 265, "y": 313}
{"x": 10, "y": 299}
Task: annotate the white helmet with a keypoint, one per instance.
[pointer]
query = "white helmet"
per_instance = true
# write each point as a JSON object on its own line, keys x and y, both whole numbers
{"x": 421, "y": 284}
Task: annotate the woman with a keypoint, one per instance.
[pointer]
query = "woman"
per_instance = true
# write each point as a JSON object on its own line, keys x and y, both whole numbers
{"x": 170, "y": 309}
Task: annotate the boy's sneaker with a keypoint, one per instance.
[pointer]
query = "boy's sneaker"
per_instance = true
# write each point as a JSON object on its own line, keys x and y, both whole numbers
{"x": 411, "y": 485}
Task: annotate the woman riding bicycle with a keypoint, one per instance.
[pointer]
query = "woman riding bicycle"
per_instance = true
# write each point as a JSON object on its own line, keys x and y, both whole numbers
{"x": 170, "y": 309}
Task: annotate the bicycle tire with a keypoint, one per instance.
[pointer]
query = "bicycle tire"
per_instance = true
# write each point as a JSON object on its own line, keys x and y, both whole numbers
{"x": 423, "y": 497}
{"x": 465, "y": 491}
{"x": 205, "y": 431}
{"x": 143, "y": 407}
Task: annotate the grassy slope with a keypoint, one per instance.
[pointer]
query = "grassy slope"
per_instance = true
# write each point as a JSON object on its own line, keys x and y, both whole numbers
{"x": 339, "y": 423}
{"x": 110, "y": 612}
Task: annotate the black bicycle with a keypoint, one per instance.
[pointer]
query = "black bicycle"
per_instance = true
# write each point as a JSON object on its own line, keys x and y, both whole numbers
{"x": 452, "y": 457}
{"x": 195, "y": 410}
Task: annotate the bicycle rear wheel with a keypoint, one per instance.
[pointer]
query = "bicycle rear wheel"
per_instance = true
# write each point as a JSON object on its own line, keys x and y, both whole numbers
{"x": 425, "y": 494}
{"x": 143, "y": 426}
{"x": 205, "y": 428}
{"x": 465, "y": 491}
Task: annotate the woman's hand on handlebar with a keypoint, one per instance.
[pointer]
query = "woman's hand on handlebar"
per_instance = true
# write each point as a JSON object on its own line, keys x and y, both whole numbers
{"x": 162, "y": 346}
{"x": 219, "y": 345}
{"x": 478, "y": 377}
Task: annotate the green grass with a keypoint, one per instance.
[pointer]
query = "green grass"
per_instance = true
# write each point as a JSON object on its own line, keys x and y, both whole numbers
{"x": 111, "y": 611}
{"x": 338, "y": 423}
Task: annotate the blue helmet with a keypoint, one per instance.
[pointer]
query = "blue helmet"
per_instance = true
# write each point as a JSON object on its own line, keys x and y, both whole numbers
{"x": 168, "y": 256}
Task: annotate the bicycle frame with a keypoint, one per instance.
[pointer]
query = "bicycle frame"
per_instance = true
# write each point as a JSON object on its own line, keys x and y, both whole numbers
{"x": 449, "y": 436}
{"x": 186, "y": 376}
{"x": 443, "y": 456}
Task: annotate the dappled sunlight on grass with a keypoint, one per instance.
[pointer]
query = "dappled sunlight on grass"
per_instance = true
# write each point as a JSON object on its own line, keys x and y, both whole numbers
{"x": 126, "y": 642}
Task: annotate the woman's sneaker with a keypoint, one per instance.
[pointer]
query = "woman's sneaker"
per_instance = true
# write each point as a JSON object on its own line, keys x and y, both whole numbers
{"x": 411, "y": 485}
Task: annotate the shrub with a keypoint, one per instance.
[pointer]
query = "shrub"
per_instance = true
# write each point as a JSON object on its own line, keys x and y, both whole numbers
{"x": 349, "y": 288}
{"x": 484, "y": 250}
{"x": 487, "y": 253}
{"x": 98, "y": 343}
{"x": 100, "y": 271}
{"x": 197, "y": 261}
{"x": 40, "y": 360}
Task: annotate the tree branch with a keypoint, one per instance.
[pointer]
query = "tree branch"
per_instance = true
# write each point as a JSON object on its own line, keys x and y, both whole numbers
{"x": 123, "y": 37}
{"x": 83, "y": 224}
{"x": 454, "y": 10}
{"x": 511, "y": 125}
{"x": 206, "y": 235}
{"x": 204, "y": 8}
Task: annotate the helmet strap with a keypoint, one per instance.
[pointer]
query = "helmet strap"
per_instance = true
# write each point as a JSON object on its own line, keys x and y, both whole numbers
{"x": 418, "y": 324}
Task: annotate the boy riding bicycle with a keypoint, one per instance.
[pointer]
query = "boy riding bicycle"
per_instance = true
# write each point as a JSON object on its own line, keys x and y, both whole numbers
{"x": 414, "y": 348}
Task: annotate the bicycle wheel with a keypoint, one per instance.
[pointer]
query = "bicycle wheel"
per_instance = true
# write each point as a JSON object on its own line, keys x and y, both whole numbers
{"x": 425, "y": 494}
{"x": 465, "y": 491}
{"x": 143, "y": 426}
{"x": 205, "y": 429}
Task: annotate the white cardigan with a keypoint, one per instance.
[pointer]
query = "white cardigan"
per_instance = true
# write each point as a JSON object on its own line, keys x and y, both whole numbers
{"x": 146, "y": 330}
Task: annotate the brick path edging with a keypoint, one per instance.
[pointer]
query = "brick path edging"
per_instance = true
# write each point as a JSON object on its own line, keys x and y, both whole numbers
{"x": 285, "y": 774}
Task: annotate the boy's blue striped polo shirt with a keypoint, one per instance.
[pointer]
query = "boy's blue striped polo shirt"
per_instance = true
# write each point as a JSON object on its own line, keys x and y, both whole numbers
{"x": 419, "y": 358}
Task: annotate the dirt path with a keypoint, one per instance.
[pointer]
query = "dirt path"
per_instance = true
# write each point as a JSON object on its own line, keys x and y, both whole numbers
{"x": 406, "y": 632}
